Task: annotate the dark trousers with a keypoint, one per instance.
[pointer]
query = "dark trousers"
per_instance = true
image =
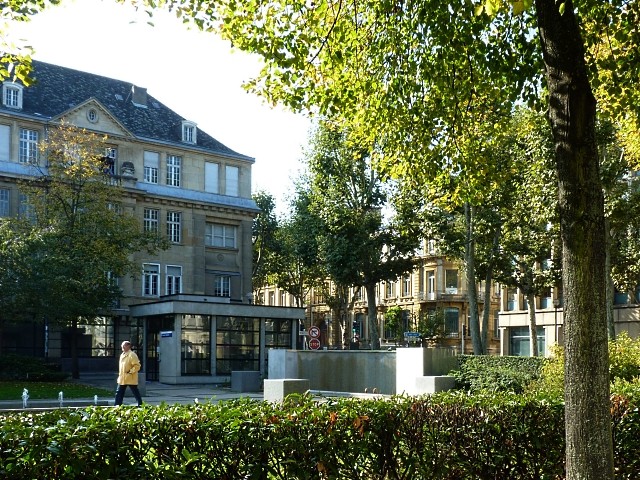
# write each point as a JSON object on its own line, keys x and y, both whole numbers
{"x": 120, "y": 394}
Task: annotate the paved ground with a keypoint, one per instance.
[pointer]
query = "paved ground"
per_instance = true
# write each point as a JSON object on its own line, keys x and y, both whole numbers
{"x": 156, "y": 393}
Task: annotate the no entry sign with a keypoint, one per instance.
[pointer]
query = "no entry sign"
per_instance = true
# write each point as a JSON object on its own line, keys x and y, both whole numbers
{"x": 314, "y": 332}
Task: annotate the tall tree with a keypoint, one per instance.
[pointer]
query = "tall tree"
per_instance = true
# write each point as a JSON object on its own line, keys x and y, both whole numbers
{"x": 299, "y": 268}
{"x": 467, "y": 221}
{"x": 529, "y": 214}
{"x": 357, "y": 246}
{"x": 21, "y": 271}
{"x": 88, "y": 234}
{"x": 406, "y": 73}
{"x": 265, "y": 227}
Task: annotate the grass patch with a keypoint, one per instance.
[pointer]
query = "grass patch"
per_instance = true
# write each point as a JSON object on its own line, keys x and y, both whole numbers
{"x": 50, "y": 390}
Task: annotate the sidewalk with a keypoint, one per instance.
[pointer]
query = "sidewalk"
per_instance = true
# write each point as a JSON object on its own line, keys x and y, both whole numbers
{"x": 156, "y": 393}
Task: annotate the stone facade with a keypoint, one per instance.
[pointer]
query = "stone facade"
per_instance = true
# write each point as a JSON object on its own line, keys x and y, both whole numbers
{"x": 177, "y": 179}
{"x": 435, "y": 283}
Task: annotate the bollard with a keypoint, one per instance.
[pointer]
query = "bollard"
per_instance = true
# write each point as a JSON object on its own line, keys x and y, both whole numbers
{"x": 25, "y": 398}
{"x": 61, "y": 398}
{"x": 95, "y": 400}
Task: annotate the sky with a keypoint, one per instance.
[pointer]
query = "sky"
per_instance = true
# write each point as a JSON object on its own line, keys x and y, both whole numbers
{"x": 195, "y": 74}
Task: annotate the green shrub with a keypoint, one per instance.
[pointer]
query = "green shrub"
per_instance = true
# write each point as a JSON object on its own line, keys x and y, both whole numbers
{"x": 624, "y": 357}
{"x": 446, "y": 436}
{"x": 624, "y": 366}
{"x": 496, "y": 374}
{"x": 18, "y": 367}
{"x": 625, "y": 418}
{"x": 551, "y": 380}
{"x": 626, "y": 388}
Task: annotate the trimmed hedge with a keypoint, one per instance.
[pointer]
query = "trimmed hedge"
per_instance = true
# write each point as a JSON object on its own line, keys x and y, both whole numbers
{"x": 490, "y": 373}
{"x": 446, "y": 436}
{"x": 29, "y": 369}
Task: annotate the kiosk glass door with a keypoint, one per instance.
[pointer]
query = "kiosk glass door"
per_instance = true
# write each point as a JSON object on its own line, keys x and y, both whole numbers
{"x": 155, "y": 325}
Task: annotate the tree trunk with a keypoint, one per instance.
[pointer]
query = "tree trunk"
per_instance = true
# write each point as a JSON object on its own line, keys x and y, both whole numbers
{"x": 486, "y": 309}
{"x": 610, "y": 289}
{"x": 472, "y": 291}
{"x": 373, "y": 317}
{"x": 338, "y": 326}
{"x": 533, "y": 327}
{"x": 486, "y": 312}
{"x": 572, "y": 112}
{"x": 75, "y": 364}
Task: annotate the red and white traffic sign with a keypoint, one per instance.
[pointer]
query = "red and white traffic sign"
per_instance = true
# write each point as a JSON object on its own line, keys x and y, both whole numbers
{"x": 314, "y": 344}
{"x": 314, "y": 332}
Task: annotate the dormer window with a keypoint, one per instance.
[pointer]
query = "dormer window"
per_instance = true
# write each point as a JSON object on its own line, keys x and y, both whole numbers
{"x": 188, "y": 132}
{"x": 12, "y": 95}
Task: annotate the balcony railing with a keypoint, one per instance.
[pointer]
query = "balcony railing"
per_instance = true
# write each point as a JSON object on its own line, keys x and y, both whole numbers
{"x": 424, "y": 296}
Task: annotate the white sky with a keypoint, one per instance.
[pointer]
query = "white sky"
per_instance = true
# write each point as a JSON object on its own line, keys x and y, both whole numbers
{"x": 195, "y": 74}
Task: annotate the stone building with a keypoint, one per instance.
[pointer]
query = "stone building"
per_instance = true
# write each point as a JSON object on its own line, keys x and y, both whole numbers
{"x": 514, "y": 319}
{"x": 436, "y": 284}
{"x": 177, "y": 180}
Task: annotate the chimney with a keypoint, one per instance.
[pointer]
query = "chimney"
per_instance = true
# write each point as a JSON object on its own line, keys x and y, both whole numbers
{"x": 139, "y": 96}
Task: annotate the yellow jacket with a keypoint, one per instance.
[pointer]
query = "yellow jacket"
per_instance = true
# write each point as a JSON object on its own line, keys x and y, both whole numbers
{"x": 129, "y": 367}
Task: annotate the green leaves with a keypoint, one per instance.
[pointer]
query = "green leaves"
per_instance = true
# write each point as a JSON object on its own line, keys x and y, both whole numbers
{"x": 348, "y": 196}
{"x": 444, "y": 436}
{"x": 78, "y": 234}
{"x": 491, "y": 373}
{"x": 265, "y": 226}
{"x": 296, "y": 264}
{"x": 493, "y": 7}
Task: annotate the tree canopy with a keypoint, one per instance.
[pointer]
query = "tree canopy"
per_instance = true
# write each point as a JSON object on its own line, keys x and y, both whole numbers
{"x": 358, "y": 246}
{"x": 409, "y": 77}
{"x": 265, "y": 226}
{"x": 75, "y": 235}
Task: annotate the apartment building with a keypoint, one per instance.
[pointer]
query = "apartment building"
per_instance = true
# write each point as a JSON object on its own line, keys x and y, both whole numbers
{"x": 191, "y": 306}
{"x": 514, "y": 319}
{"x": 436, "y": 283}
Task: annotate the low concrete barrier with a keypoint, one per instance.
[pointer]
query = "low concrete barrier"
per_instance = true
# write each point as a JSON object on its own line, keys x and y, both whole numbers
{"x": 245, "y": 381}
{"x": 337, "y": 370}
{"x": 385, "y": 372}
{"x": 275, "y": 390}
{"x": 413, "y": 363}
{"x": 434, "y": 383}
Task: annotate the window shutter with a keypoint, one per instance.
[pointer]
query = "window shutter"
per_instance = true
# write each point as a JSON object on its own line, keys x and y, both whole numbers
{"x": 211, "y": 177}
{"x": 5, "y": 141}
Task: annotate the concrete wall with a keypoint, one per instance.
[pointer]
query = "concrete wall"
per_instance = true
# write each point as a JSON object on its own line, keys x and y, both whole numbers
{"x": 414, "y": 363}
{"x": 357, "y": 370}
{"x": 283, "y": 363}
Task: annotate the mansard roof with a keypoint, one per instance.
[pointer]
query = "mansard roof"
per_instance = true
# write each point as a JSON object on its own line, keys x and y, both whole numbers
{"x": 57, "y": 90}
